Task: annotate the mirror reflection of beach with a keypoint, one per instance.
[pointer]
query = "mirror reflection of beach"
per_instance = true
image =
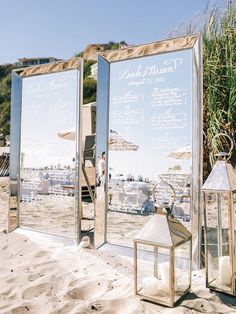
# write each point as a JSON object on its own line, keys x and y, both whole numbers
{"x": 48, "y": 196}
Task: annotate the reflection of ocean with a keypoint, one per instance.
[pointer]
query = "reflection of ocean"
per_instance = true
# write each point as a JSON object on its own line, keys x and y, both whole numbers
{"x": 143, "y": 163}
{"x": 38, "y": 154}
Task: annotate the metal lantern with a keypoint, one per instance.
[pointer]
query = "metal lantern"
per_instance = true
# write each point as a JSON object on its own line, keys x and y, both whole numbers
{"x": 219, "y": 197}
{"x": 162, "y": 258}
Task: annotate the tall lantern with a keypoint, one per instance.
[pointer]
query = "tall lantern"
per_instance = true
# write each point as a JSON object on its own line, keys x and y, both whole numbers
{"x": 162, "y": 259}
{"x": 219, "y": 197}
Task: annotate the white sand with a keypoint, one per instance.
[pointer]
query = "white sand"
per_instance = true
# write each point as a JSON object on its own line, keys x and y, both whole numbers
{"x": 39, "y": 276}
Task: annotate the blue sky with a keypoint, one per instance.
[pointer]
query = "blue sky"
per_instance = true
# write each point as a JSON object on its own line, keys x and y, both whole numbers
{"x": 60, "y": 28}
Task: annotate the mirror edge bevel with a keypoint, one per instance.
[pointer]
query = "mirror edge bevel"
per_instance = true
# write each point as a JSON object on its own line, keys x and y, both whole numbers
{"x": 198, "y": 163}
{"x": 79, "y": 127}
{"x": 102, "y": 100}
{"x": 14, "y": 160}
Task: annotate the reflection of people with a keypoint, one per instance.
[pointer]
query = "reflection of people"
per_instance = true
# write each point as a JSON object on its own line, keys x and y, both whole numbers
{"x": 102, "y": 169}
{"x": 101, "y": 181}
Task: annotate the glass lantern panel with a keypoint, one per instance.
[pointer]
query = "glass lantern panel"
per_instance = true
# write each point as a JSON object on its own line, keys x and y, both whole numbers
{"x": 153, "y": 272}
{"x": 218, "y": 246}
{"x": 182, "y": 270}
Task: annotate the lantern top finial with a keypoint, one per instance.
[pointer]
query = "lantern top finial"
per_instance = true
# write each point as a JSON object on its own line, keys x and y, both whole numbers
{"x": 167, "y": 205}
{"x": 223, "y": 155}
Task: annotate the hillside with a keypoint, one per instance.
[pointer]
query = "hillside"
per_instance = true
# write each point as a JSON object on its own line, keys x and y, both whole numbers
{"x": 91, "y": 51}
{"x": 5, "y": 96}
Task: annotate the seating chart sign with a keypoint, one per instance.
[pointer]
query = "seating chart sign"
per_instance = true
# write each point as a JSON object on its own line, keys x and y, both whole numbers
{"x": 150, "y": 106}
{"x": 151, "y": 117}
{"x": 47, "y": 160}
{"x": 150, "y": 113}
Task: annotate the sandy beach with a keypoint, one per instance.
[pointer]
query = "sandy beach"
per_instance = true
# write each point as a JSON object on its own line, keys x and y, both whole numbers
{"x": 41, "y": 276}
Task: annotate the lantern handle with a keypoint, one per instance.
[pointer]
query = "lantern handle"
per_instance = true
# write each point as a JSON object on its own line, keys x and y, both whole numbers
{"x": 223, "y": 154}
{"x": 167, "y": 206}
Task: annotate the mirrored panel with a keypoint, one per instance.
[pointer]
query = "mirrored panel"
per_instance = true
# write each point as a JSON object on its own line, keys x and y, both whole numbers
{"x": 101, "y": 196}
{"x": 87, "y": 181}
{"x": 48, "y": 163}
{"x": 149, "y": 135}
{"x": 13, "y": 215}
{"x": 150, "y": 138}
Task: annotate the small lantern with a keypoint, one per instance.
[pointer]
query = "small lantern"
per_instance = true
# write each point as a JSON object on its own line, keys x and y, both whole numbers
{"x": 219, "y": 197}
{"x": 162, "y": 259}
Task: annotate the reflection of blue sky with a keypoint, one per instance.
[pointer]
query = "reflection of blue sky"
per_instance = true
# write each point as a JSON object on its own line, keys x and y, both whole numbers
{"x": 150, "y": 105}
{"x": 48, "y": 107}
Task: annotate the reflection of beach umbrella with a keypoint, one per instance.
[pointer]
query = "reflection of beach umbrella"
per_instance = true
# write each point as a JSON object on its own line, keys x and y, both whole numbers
{"x": 68, "y": 134}
{"x": 181, "y": 153}
{"x": 118, "y": 143}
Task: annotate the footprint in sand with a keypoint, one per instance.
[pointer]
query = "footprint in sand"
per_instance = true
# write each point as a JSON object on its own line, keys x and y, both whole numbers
{"x": 36, "y": 276}
{"x": 12, "y": 280}
{"x": 45, "y": 267}
{"x": 41, "y": 254}
{"x": 7, "y": 292}
{"x": 37, "y": 290}
{"x": 44, "y": 264}
{"x": 74, "y": 283}
{"x": 115, "y": 306}
{"x": 91, "y": 289}
{"x": 64, "y": 309}
{"x": 20, "y": 310}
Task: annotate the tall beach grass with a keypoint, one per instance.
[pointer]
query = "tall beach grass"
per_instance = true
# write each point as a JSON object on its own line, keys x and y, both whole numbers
{"x": 217, "y": 27}
{"x": 219, "y": 82}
